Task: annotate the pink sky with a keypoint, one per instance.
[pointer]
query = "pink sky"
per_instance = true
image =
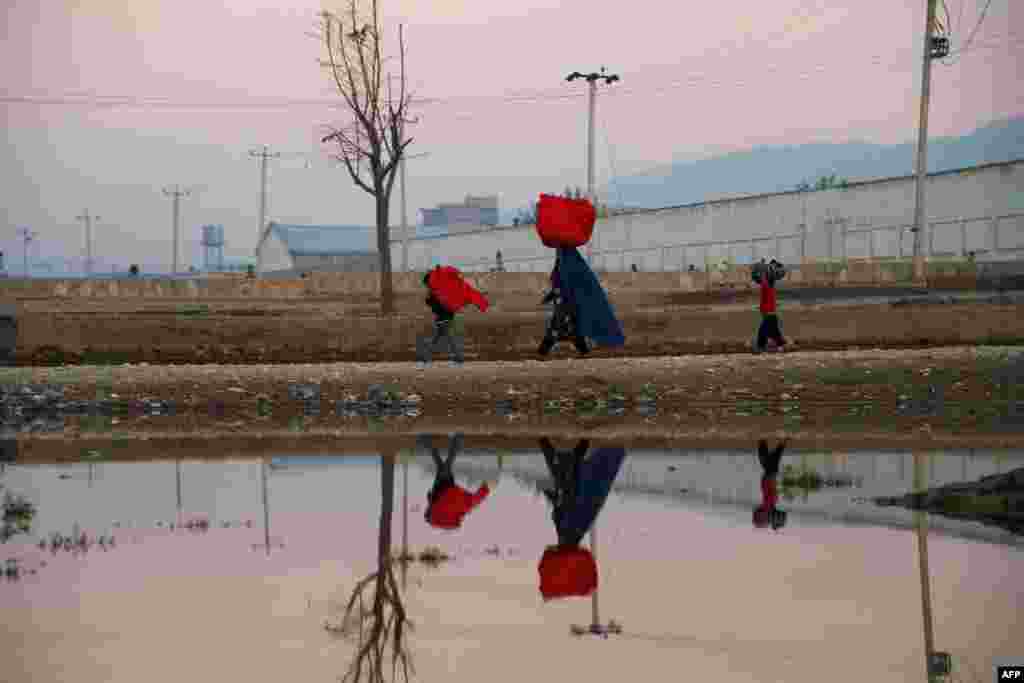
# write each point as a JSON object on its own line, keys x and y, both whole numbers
{"x": 732, "y": 75}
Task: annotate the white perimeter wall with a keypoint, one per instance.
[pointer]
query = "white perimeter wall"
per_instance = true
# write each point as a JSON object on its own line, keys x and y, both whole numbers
{"x": 969, "y": 200}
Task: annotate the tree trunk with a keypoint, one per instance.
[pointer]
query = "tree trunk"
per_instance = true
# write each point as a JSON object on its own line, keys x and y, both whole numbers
{"x": 387, "y": 294}
{"x": 387, "y": 506}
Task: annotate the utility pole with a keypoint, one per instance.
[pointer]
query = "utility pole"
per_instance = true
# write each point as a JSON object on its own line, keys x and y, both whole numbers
{"x": 405, "y": 215}
{"x": 27, "y": 235}
{"x": 596, "y": 628}
{"x": 592, "y": 79}
{"x": 263, "y": 155}
{"x": 88, "y": 219}
{"x": 175, "y": 193}
{"x": 934, "y": 48}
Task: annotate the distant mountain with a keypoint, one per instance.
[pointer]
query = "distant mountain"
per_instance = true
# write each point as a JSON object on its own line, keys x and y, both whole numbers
{"x": 777, "y": 169}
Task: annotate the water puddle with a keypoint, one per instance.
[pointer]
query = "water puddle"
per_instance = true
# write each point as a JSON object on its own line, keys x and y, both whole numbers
{"x": 728, "y": 564}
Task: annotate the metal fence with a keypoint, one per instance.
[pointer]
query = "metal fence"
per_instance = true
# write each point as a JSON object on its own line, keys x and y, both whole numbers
{"x": 998, "y": 237}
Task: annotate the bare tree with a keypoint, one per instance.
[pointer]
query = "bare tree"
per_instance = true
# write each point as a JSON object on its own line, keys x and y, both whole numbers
{"x": 385, "y": 623}
{"x": 372, "y": 143}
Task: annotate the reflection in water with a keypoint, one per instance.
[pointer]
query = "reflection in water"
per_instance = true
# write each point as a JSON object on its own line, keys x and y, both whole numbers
{"x": 767, "y": 514}
{"x": 581, "y": 487}
{"x": 936, "y": 663}
{"x": 447, "y": 502}
{"x": 384, "y": 623}
{"x": 819, "y": 573}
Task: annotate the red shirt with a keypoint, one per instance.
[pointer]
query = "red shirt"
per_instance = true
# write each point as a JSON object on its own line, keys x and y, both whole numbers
{"x": 454, "y": 504}
{"x": 769, "y": 492}
{"x": 767, "y": 298}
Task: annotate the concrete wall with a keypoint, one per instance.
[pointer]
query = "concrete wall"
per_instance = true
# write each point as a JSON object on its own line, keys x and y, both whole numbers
{"x": 811, "y": 274}
{"x": 970, "y": 210}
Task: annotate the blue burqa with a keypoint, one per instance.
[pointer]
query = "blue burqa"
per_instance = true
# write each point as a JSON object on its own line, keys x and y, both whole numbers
{"x": 596, "y": 475}
{"x": 595, "y": 317}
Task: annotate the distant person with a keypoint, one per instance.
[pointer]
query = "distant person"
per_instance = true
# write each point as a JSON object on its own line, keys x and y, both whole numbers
{"x": 582, "y": 310}
{"x": 769, "y": 329}
{"x": 767, "y": 513}
{"x": 581, "y": 487}
{"x": 447, "y": 502}
{"x": 692, "y": 268}
{"x": 634, "y": 268}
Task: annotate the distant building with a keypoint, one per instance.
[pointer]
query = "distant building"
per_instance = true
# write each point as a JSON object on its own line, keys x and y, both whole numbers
{"x": 475, "y": 211}
{"x": 286, "y": 249}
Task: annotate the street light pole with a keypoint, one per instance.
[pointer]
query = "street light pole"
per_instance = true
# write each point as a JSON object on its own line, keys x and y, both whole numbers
{"x": 27, "y": 235}
{"x": 591, "y": 79}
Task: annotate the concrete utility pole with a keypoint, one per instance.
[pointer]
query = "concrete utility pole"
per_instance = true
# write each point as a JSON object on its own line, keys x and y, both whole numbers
{"x": 88, "y": 219}
{"x": 592, "y": 79}
{"x": 263, "y": 155}
{"x": 175, "y": 193}
{"x": 27, "y": 236}
{"x": 405, "y": 215}
{"x": 933, "y": 49}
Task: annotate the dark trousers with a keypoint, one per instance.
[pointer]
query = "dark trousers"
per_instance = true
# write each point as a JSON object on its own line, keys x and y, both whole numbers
{"x": 441, "y": 338}
{"x": 444, "y": 477}
{"x": 769, "y": 330}
{"x": 770, "y": 458}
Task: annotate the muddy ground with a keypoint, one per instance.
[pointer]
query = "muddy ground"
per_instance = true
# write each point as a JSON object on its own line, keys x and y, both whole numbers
{"x": 309, "y": 332}
{"x": 951, "y": 397}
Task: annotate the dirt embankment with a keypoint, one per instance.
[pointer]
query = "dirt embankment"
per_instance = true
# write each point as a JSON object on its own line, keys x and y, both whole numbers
{"x": 953, "y": 396}
{"x": 335, "y": 332}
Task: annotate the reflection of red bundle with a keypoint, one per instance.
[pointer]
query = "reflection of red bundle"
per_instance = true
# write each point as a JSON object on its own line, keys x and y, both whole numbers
{"x": 563, "y": 222}
{"x": 567, "y": 572}
{"x": 453, "y": 291}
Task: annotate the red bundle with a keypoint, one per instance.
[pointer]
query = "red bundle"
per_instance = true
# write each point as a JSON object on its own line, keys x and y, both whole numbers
{"x": 567, "y": 572}
{"x": 452, "y": 290}
{"x": 563, "y": 222}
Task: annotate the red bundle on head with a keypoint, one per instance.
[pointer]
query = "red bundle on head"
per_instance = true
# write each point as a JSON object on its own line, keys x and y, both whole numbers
{"x": 567, "y": 572}
{"x": 453, "y": 291}
{"x": 563, "y": 222}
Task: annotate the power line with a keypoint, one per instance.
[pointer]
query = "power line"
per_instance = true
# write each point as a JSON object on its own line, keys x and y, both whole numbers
{"x": 970, "y": 38}
{"x": 110, "y": 101}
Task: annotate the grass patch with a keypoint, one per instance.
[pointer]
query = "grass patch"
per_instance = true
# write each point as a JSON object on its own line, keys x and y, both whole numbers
{"x": 194, "y": 311}
{"x": 432, "y": 556}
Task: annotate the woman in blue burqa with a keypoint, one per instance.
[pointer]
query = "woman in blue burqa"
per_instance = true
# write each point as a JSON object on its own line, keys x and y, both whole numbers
{"x": 581, "y": 485}
{"x": 582, "y": 309}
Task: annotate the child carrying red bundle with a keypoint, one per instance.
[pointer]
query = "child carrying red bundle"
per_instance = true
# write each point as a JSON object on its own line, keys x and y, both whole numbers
{"x": 448, "y": 294}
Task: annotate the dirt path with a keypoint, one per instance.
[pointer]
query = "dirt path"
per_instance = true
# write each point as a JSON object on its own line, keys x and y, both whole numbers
{"x": 955, "y": 395}
{"x": 337, "y": 334}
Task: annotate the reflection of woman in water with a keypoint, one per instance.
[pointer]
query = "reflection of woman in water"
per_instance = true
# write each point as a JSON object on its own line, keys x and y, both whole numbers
{"x": 581, "y": 486}
{"x": 447, "y": 502}
{"x": 767, "y": 514}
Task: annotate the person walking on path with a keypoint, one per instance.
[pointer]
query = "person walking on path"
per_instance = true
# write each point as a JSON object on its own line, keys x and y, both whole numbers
{"x": 582, "y": 309}
{"x": 766, "y": 275}
{"x": 448, "y": 293}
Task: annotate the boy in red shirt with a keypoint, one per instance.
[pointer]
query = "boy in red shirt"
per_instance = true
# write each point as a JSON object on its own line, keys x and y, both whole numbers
{"x": 769, "y": 329}
{"x": 767, "y": 514}
{"x": 447, "y": 502}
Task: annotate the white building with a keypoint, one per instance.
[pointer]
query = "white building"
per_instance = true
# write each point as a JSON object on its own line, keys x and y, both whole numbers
{"x": 979, "y": 209}
{"x": 287, "y": 248}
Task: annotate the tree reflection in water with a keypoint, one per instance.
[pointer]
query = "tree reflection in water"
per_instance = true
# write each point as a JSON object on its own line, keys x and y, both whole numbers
{"x": 384, "y": 623}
